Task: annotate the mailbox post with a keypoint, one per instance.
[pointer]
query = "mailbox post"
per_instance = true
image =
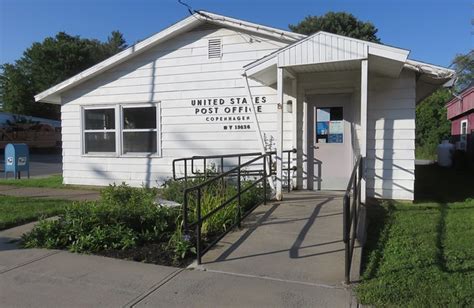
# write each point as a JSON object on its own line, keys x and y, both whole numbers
{"x": 17, "y": 159}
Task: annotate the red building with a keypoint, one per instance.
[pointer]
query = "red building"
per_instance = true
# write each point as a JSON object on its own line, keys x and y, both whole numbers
{"x": 461, "y": 114}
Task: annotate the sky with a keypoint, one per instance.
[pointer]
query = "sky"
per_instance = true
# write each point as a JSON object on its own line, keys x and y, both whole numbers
{"x": 433, "y": 30}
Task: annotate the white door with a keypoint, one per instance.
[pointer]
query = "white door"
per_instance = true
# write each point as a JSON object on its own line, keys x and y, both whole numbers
{"x": 329, "y": 141}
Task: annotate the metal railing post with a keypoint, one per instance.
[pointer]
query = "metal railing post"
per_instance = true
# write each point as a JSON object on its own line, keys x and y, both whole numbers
{"x": 264, "y": 179}
{"x": 185, "y": 172}
{"x": 239, "y": 199}
{"x": 185, "y": 214}
{"x": 174, "y": 170}
{"x": 346, "y": 230}
{"x": 198, "y": 226}
{"x": 288, "y": 172}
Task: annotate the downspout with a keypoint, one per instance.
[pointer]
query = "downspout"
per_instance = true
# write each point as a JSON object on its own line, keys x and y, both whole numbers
{"x": 257, "y": 126}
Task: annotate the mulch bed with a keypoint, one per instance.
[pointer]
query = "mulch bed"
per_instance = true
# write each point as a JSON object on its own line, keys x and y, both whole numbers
{"x": 150, "y": 253}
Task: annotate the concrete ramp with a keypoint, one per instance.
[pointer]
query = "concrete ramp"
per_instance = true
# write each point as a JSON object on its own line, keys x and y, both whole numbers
{"x": 296, "y": 240}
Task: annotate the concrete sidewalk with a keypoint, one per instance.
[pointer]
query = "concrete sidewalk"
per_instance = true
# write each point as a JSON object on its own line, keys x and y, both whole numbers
{"x": 298, "y": 239}
{"x": 288, "y": 254}
{"x": 51, "y": 278}
{"x": 50, "y": 193}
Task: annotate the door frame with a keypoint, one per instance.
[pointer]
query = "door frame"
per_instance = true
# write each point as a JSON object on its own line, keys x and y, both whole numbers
{"x": 308, "y": 182}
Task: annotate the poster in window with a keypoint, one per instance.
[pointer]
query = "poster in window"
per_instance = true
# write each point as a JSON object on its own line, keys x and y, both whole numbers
{"x": 335, "y": 138}
{"x": 336, "y": 129}
{"x": 323, "y": 114}
{"x": 322, "y": 128}
{"x": 329, "y": 125}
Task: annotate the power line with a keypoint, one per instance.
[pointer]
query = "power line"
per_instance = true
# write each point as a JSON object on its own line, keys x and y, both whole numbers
{"x": 190, "y": 9}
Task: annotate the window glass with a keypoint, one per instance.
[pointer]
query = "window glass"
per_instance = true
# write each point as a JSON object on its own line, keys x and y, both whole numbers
{"x": 139, "y": 133}
{"x": 139, "y": 118}
{"x": 99, "y": 118}
{"x": 464, "y": 127}
{"x": 99, "y": 142}
{"x": 329, "y": 125}
{"x": 139, "y": 142}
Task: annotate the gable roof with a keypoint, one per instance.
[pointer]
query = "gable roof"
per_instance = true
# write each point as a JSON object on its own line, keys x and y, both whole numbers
{"x": 344, "y": 48}
{"x": 52, "y": 95}
{"x": 322, "y": 47}
{"x": 322, "y": 50}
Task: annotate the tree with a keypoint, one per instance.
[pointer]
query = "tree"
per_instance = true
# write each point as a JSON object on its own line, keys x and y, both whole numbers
{"x": 464, "y": 67}
{"x": 432, "y": 125}
{"x": 339, "y": 23}
{"x": 48, "y": 63}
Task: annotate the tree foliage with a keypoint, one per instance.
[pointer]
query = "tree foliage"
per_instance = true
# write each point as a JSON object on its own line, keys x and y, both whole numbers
{"x": 432, "y": 124}
{"x": 464, "y": 67}
{"x": 48, "y": 63}
{"x": 339, "y": 23}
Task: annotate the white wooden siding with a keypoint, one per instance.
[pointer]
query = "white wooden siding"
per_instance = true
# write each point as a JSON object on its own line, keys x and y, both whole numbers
{"x": 391, "y": 137}
{"x": 174, "y": 72}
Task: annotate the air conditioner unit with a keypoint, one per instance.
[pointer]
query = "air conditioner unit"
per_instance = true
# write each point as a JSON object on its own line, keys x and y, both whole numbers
{"x": 461, "y": 145}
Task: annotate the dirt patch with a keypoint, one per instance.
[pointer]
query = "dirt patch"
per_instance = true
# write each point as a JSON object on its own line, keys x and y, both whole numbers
{"x": 150, "y": 253}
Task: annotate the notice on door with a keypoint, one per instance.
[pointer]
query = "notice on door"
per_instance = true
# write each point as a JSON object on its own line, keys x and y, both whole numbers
{"x": 329, "y": 125}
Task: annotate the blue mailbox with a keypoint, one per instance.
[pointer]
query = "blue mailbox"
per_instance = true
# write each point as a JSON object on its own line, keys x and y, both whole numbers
{"x": 17, "y": 159}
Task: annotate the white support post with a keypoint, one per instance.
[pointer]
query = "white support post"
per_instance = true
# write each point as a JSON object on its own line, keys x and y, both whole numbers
{"x": 294, "y": 110}
{"x": 279, "y": 143}
{"x": 364, "y": 82}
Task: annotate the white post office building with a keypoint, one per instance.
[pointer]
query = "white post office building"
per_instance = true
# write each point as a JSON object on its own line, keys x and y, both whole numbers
{"x": 212, "y": 84}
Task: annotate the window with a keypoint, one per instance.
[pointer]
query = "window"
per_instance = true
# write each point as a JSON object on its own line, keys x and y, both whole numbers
{"x": 99, "y": 130}
{"x": 463, "y": 127}
{"x": 121, "y": 130}
{"x": 329, "y": 125}
{"x": 463, "y": 135}
{"x": 139, "y": 130}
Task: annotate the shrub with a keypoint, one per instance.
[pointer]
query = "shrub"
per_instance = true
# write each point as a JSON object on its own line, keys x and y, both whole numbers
{"x": 212, "y": 196}
{"x": 127, "y": 218}
{"x": 124, "y": 217}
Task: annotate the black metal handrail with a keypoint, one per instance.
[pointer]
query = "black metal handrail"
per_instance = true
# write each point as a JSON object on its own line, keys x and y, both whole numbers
{"x": 350, "y": 215}
{"x": 258, "y": 175}
{"x": 191, "y": 162}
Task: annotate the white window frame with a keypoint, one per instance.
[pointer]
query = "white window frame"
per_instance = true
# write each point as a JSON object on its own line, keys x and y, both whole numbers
{"x": 84, "y": 131}
{"x": 467, "y": 128}
{"x": 118, "y": 108}
{"x": 157, "y": 105}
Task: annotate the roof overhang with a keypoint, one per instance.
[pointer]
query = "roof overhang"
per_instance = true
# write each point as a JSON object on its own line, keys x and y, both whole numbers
{"x": 324, "y": 51}
{"x": 429, "y": 78}
{"x": 53, "y": 94}
{"x": 327, "y": 51}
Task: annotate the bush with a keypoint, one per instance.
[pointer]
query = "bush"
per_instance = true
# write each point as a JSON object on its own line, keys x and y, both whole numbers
{"x": 127, "y": 219}
{"x": 212, "y": 196}
{"x": 124, "y": 217}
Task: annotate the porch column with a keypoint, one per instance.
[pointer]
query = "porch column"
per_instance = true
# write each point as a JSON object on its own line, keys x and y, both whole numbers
{"x": 279, "y": 143}
{"x": 364, "y": 70}
{"x": 295, "y": 143}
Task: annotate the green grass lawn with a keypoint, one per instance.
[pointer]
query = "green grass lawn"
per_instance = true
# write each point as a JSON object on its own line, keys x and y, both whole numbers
{"x": 422, "y": 254}
{"x": 18, "y": 210}
{"x": 53, "y": 181}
